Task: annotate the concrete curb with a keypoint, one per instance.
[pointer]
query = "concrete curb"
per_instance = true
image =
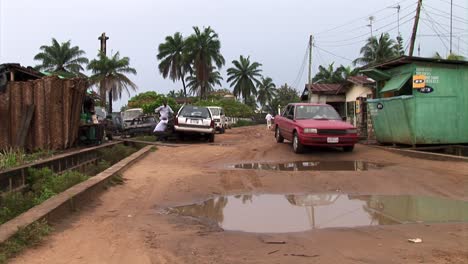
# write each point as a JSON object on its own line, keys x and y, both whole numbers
{"x": 423, "y": 155}
{"x": 66, "y": 201}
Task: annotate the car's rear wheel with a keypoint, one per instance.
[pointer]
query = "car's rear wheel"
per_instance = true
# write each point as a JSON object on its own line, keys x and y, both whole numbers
{"x": 297, "y": 146}
{"x": 348, "y": 149}
{"x": 211, "y": 138}
{"x": 279, "y": 138}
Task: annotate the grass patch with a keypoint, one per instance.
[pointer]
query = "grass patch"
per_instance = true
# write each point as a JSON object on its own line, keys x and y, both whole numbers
{"x": 43, "y": 184}
{"x": 153, "y": 149}
{"x": 116, "y": 153}
{"x": 116, "y": 180}
{"x": 146, "y": 138}
{"x": 242, "y": 123}
{"x": 29, "y": 236}
{"x": 13, "y": 157}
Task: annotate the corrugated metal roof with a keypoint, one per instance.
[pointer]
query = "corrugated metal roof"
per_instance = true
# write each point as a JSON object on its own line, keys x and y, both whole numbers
{"x": 361, "y": 80}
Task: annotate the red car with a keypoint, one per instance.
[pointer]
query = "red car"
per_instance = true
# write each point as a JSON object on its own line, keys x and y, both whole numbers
{"x": 307, "y": 124}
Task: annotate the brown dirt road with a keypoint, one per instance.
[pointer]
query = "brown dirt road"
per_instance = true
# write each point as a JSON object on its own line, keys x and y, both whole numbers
{"x": 125, "y": 223}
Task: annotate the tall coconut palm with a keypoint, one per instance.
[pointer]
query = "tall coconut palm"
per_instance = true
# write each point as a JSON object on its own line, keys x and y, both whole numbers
{"x": 61, "y": 58}
{"x": 244, "y": 77}
{"x": 378, "y": 50}
{"x": 203, "y": 51}
{"x": 174, "y": 63}
{"x": 347, "y": 72}
{"x": 110, "y": 74}
{"x": 266, "y": 91}
{"x": 196, "y": 87}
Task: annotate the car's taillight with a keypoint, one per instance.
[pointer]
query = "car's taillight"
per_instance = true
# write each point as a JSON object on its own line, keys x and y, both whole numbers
{"x": 176, "y": 121}
{"x": 212, "y": 125}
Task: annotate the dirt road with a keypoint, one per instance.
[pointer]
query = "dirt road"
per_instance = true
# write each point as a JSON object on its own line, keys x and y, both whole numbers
{"x": 128, "y": 223}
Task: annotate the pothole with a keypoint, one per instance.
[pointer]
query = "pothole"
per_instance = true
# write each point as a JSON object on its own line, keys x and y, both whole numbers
{"x": 345, "y": 165}
{"x": 273, "y": 213}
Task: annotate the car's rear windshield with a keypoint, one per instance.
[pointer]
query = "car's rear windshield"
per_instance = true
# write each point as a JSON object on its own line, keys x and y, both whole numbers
{"x": 316, "y": 112}
{"x": 194, "y": 111}
{"x": 215, "y": 111}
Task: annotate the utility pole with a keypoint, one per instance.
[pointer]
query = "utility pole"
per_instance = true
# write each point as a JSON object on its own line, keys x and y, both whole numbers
{"x": 371, "y": 21}
{"x": 451, "y": 21}
{"x": 103, "y": 38}
{"x": 415, "y": 28}
{"x": 309, "y": 83}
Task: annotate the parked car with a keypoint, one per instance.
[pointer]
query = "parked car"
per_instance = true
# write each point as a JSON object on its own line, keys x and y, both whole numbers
{"x": 130, "y": 114}
{"x": 195, "y": 120}
{"x": 219, "y": 118}
{"x": 307, "y": 124}
{"x": 141, "y": 125}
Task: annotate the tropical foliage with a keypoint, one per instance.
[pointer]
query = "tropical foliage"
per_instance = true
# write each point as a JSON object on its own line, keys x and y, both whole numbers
{"x": 150, "y": 101}
{"x": 378, "y": 50}
{"x": 285, "y": 95}
{"x": 110, "y": 75}
{"x": 232, "y": 108}
{"x": 203, "y": 53}
{"x": 451, "y": 56}
{"x": 61, "y": 58}
{"x": 266, "y": 91}
{"x": 173, "y": 59}
{"x": 244, "y": 77}
{"x": 332, "y": 75}
{"x": 195, "y": 86}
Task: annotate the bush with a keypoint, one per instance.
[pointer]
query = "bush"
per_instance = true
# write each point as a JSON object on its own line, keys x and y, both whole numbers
{"x": 43, "y": 185}
{"x": 232, "y": 108}
{"x": 242, "y": 123}
{"x": 31, "y": 235}
{"x": 116, "y": 153}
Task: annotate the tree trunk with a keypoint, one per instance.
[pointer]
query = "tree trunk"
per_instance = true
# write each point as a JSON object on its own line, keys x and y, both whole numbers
{"x": 185, "y": 89}
{"x": 110, "y": 101}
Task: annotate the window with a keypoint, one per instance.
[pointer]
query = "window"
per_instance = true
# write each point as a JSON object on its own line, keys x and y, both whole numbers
{"x": 291, "y": 112}
{"x": 194, "y": 111}
{"x": 286, "y": 111}
{"x": 317, "y": 112}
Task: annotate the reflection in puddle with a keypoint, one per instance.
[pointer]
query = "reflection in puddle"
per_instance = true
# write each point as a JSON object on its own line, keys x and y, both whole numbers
{"x": 295, "y": 213}
{"x": 345, "y": 165}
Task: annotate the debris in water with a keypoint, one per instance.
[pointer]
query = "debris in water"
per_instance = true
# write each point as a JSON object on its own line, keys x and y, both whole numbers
{"x": 343, "y": 165}
{"x": 415, "y": 240}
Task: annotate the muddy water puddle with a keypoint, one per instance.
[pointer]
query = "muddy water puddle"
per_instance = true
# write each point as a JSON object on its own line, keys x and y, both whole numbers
{"x": 273, "y": 213}
{"x": 311, "y": 166}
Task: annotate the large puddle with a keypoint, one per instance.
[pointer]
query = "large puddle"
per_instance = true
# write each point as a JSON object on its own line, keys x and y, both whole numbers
{"x": 311, "y": 166}
{"x": 295, "y": 213}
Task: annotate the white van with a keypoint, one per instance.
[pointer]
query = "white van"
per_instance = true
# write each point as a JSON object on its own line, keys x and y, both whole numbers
{"x": 219, "y": 118}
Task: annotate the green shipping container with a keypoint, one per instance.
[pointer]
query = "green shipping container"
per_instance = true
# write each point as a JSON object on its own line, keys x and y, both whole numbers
{"x": 434, "y": 114}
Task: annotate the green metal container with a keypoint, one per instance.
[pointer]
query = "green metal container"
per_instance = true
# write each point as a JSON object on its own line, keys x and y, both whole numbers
{"x": 435, "y": 114}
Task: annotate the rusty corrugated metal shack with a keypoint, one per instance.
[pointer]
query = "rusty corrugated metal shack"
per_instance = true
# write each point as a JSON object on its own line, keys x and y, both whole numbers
{"x": 39, "y": 112}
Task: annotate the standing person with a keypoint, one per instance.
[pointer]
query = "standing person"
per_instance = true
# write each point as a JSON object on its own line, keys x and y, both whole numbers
{"x": 268, "y": 118}
{"x": 164, "y": 111}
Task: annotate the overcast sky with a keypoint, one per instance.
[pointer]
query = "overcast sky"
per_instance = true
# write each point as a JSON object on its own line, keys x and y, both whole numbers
{"x": 274, "y": 33}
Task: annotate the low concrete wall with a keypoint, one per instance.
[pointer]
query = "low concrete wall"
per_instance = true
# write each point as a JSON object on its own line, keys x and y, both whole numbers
{"x": 69, "y": 199}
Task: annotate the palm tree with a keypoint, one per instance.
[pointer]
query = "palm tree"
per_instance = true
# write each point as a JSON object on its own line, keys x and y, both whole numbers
{"x": 203, "y": 51}
{"x": 328, "y": 75}
{"x": 196, "y": 87}
{"x": 347, "y": 72}
{"x": 451, "y": 56}
{"x": 172, "y": 55}
{"x": 61, "y": 58}
{"x": 243, "y": 77}
{"x": 266, "y": 91}
{"x": 378, "y": 50}
{"x": 110, "y": 74}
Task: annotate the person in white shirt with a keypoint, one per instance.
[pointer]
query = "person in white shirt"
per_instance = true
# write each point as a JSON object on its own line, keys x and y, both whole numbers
{"x": 164, "y": 111}
{"x": 269, "y": 118}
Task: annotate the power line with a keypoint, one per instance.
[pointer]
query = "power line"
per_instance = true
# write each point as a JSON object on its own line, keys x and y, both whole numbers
{"x": 358, "y": 19}
{"x": 433, "y": 26}
{"x": 361, "y": 27}
{"x": 454, "y": 4}
{"x": 362, "y": 40}
{"x": 302, "y": 68}
{"x": 445, "y": 16}
{"x": 331, "y": 53}
{"x": 444, "y": 12}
